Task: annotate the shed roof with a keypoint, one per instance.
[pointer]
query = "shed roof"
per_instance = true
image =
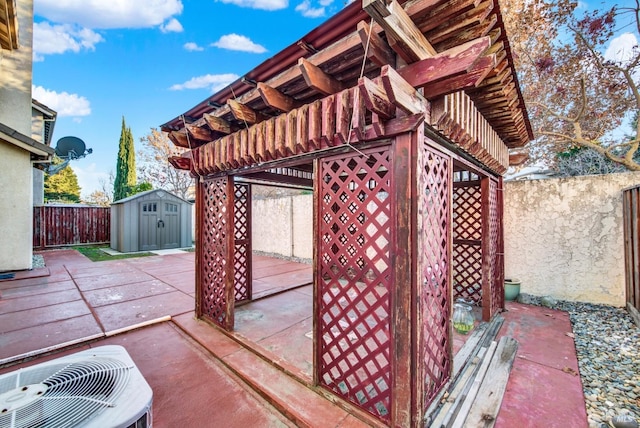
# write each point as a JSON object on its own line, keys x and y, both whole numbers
{"x": 140, "y": 195}
{"x": 337, "y": 47}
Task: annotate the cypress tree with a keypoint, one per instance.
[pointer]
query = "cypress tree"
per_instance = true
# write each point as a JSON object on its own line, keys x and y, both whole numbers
{"x": 126, "y": 166}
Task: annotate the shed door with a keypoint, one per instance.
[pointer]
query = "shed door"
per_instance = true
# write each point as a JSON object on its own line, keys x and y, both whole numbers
{"x": 159, "y": 225}
{"x": 149, "y": 221}
{"x": 170, "y": 230}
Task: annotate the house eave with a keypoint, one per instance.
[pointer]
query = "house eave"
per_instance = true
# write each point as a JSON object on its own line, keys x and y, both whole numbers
{"x": 38, "y": 150}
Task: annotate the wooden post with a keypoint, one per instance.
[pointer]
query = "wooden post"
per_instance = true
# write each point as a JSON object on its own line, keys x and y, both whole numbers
{"x": 229, "y": 285}
{"x": 198, "y": 242}
{"x": 402, "y": 340}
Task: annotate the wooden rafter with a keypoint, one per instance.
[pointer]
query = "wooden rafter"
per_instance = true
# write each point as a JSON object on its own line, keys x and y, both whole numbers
{"x": 318, "y": 79}
{"x": 401, "y": 93}
{"x": 403, "y": 35}
{"x": 217, "y": 124}
{"x": 199, "y": 132}
{"x": 179, "y": 138}
{"x": 276, "y": 99}
{"x": 451, "y": 62}
{"x": 245, "y": 114}
{"x": 376, "y": 98}
{"x": 479, "y": 70}
{"x": 378, "y": 50}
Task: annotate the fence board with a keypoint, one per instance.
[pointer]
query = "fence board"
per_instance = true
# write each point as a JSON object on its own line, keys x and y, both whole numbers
{"x": 631, "y": 221}
{"x": 55, "y": 226}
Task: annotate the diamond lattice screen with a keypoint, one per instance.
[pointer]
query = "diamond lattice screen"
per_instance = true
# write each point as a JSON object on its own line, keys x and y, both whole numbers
{"x": 467, "y": 240}
{"x": 493, "y": 244}
{"x": 434, "y": 220}
{"x": 213, "y": 250}
{"x": 354, "y": 279}
{"x": 242, "y": 242}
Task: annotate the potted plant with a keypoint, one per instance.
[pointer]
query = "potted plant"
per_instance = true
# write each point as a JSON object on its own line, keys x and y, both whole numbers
{"x": 511, "y": 289}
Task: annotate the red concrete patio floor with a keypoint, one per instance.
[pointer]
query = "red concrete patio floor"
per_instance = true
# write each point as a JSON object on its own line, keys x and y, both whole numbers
{"x": 204, "y": 377}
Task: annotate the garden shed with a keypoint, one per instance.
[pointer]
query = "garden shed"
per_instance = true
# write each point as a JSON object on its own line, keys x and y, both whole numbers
{"x": 399, "y": 117}
{"x": 151, "y": 220}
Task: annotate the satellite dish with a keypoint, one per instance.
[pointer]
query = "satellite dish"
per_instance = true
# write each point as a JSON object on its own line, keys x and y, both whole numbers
{"x": 71, "y": 148}
{"x": 67, "y": 149}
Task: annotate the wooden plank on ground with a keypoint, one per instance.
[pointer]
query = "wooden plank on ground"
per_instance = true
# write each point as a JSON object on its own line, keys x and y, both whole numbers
{"x": 485, "y": 409}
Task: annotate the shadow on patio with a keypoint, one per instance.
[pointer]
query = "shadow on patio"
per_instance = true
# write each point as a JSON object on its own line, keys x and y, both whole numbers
{"x": 260, "y": 375}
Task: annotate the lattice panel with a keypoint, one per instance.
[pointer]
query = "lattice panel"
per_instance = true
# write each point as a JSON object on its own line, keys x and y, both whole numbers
{"x": 467, "y": 211}
{"x": 213, "y": 250}
{"x": 434, "y": 304}
{"x": 354, "y": 280}
{"x": 467, "y": 272}
{"x": 492, "y": 231}
{"x": 242, "y": 242}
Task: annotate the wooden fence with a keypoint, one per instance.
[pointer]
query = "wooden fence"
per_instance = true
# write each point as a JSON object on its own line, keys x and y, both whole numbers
{"x": 55, "y": 226}
{"x": 631, "y": 218}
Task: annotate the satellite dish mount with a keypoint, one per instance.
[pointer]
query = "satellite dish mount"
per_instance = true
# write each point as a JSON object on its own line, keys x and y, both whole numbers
{"x": 68, "y": 149}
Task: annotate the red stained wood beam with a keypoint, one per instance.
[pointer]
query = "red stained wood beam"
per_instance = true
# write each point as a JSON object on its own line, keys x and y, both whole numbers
{"x": 401, "y": 93}
{"x": 452, "y": 62}
{"x": 403, "y": 35}
{"x": 244, "y": 113}
{"x": 217, "y": 124}
{"x": 376, "y": 98}
{"x": 180, "y": 162}
{"x": 276, "y": 99}
{"x": 378, "y": 51}
{"x": 318, "y": 79}
{"x": 471, "y": 79}
{"x": 199, "y": 133}
{"x": 179, "y": 138}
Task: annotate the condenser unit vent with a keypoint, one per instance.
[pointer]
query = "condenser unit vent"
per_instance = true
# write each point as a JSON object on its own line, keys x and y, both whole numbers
{"x": 99, "y": 387}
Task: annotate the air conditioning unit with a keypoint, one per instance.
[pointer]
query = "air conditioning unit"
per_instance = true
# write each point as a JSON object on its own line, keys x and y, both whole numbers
{"x": 99, "y": 387}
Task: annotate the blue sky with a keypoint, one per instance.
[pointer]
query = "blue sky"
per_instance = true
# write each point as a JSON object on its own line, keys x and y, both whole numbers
{"x": 149, "y": 61}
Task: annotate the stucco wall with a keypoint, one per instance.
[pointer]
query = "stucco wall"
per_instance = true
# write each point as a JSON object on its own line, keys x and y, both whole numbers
{"x": 16, "y": 211}
{"x": 16, "y": 75}
{"x": 564, "y": 238}
{"x": 16, "y": 192}
{"x": 283, "y": 226}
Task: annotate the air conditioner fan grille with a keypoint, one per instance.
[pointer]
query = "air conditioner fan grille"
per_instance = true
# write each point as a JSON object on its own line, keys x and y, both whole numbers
{"x": 63, "y": 395}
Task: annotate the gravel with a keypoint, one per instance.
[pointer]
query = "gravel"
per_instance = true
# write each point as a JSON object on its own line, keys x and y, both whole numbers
{"x": 38, "y": 261}
{"x": 608, "y": 349}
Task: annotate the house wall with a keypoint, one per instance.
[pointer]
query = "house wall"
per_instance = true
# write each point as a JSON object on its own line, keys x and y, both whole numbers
{"x": 16, "y": 193}
{"x": 37, "y": 133}
{"x": 564, "y": 237}
{"x": 283, "y": 226}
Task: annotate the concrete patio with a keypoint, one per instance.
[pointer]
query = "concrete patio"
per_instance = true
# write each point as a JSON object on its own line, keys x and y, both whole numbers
{"x": 261, "y": 374}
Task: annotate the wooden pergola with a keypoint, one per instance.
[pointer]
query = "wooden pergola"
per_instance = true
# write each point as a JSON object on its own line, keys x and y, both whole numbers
{"x": 400, "y": 116}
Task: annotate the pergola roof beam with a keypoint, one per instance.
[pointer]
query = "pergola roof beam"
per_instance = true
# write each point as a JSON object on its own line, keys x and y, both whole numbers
{"x": 403, "y": 35}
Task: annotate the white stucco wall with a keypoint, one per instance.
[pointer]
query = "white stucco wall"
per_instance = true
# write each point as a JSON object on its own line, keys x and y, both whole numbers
{"x": 283, "y": 226}
{"x": 16, "y": 211}
{"x": 16, "y": 191}
{"x": 16, "y": 75}
{"x": 564, "y": 238}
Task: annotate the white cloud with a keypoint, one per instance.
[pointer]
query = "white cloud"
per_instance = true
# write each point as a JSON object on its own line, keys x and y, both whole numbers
{"x": 260, "y": 4}
{"x": 192, "y": 47}
{"x": 58, "y": 39}
{"x": 307, "y": 11}
{"x": 64, "y": 103}
{"x": 325, "y": 2}
{"x": 173, "y": 26}
{"x": 214, "y": 82}
{"x": 622, "y": 48}
{"x": 109, "y": 14}
{"x": 236, "y": 42}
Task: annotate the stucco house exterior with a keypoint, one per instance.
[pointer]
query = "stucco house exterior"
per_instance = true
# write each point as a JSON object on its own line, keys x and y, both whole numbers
{"x": 19, "y": 151}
